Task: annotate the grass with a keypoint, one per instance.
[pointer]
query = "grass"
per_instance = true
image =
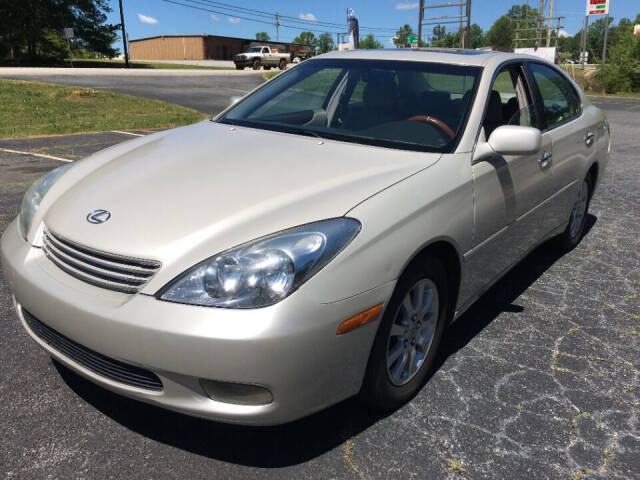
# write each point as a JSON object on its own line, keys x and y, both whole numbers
{"x": 30, "y": 108}
{"x": 104, "y": 63}
{"x": 270, "y": 75}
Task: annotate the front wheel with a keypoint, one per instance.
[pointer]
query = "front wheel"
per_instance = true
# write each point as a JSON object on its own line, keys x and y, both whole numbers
{"x": 256, "y": 64}
{"x": 283, "y": 64}
{"x": 572, "y": 235}
{"x": 408, "y": 337}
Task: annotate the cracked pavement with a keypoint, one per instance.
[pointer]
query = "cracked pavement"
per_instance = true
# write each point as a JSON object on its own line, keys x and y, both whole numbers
{"x": 539, "y": 379}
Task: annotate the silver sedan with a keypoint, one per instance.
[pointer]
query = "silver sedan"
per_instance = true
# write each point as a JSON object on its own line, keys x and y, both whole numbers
{"x": 311, "y": 242}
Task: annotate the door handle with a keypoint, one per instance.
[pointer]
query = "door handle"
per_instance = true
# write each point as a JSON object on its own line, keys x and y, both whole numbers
{"x": 544, "y": 159}
{"x": 588, "y": 138}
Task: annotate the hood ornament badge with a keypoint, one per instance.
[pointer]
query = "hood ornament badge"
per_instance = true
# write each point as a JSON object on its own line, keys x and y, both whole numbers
{"x": 98, "y": 216}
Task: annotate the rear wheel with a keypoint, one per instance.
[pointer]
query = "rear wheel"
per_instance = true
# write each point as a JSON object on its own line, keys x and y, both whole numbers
{"x": 256, "y": 64}
{"x": 575, "y": 229}
{"x": 408, "y": 337}
{"x": 283, "y": 64}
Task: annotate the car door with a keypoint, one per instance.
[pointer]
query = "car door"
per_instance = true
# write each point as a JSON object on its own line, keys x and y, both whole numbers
{"x": 571, "y": 135}
{"x": 510, "y": 190}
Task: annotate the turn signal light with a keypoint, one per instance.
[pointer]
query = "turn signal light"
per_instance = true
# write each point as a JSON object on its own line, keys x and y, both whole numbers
{"x": 360, "y": 319}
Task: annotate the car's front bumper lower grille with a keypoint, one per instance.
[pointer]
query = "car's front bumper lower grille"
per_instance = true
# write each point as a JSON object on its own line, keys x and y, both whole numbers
{"x": 102, "y": 365}
{"x": 101, "y": 269}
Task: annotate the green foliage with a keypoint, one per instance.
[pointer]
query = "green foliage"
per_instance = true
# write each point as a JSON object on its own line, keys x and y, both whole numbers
{"x": 500, "y": 34}
{"x": 30, "y": 29}
{"x": 325, "y": 42}
{"x": 402, "y": 35}
{"x": 306, "y": 38}
{"x": 621, "y": 73}
{"x": 439, "y": 32}
{"x": 370, "y": 42}
{"x": 452, "y": 39}
{"x": 262, "y": 37}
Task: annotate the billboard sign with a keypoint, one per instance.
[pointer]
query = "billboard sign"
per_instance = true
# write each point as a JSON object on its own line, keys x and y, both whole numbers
{"x": 547, "y": 53}
{"x": 597, "y": 7}
{"x": 636, "y": 29}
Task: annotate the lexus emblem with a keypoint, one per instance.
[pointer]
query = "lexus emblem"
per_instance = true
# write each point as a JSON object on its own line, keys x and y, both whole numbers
{"x": 98, "y": 216}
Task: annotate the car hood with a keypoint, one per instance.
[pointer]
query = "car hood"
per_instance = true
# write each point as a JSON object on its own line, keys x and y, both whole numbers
{"x": 184, "y": 195}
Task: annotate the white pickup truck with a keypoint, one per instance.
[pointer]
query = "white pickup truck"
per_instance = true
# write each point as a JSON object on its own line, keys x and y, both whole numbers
{"x": 261, "y": 56}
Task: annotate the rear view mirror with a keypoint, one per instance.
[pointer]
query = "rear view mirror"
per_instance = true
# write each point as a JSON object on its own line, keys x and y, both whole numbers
{"x": 509, "y": 140}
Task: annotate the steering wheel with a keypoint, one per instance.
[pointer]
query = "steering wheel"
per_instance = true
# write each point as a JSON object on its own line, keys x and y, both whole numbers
{"x": 434, "y": 121}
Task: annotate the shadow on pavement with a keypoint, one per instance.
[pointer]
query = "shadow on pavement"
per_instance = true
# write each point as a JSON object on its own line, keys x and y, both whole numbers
{"x": 305, "y": 439}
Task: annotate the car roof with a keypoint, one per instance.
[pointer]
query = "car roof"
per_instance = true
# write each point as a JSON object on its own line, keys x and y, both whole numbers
{"x": 455, "y": 56}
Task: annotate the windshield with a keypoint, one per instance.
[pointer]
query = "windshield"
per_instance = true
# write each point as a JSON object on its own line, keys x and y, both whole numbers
{"x": 406, "y": 105}
{"x": 255, "y": 50}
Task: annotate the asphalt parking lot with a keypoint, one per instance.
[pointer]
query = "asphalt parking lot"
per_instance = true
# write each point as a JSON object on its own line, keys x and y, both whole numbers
{"x": 539, "y": 379}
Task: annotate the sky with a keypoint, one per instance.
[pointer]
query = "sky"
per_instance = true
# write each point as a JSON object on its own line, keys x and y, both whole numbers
{"x": 145, "y": 18}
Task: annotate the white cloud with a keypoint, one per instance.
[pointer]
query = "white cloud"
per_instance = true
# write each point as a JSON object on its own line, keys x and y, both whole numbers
{"x": 145, "y": 19}
{"x": 563, "y": 33}
{"x": 234, "y": 20}
{"x": 214, "y": 17}
{"x": 307, "y": 16}
{"x": 406, "y": 5}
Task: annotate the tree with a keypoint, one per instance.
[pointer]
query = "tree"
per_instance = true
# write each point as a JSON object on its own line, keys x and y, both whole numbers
{"x": 476, "y": 36}
{"x": 439, "y": 31}
{"x": 263, "y": 37}
{"x": 401, "y": 38}
{"x": 370, "y": 42}
{"x": 501, "y": 33}
{"x": 31, "y": 28}
{"x": 325, "y": 42}
{"x": 306, "y": 38}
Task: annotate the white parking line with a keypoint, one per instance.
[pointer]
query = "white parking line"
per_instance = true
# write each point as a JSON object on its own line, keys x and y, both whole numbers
{"x": 128, "y": 133}
{"x": 41, "y": 155}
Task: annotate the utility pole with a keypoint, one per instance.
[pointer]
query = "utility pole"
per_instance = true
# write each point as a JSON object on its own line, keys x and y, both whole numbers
{"x": 420, "y": 19}
{"x": 606, "y": 32}
{"x": 277, "y": 23}
{"x": 124, "y": 37}
{"x": 467, "y": 37}
{"x": 540, "y": 20}
{"x": 583, "y": 53}
{"x": 549, "y": 19}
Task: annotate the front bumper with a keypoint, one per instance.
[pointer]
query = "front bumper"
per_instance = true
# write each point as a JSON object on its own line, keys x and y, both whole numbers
{"x": 291, "y": 348}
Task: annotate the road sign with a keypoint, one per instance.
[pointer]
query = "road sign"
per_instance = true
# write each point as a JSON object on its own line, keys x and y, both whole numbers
{"x": 412, "y": 39}
{"x": 597, "y": 7}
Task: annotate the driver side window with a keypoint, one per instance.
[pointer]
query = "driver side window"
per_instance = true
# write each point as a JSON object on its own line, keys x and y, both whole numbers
{"x": 509, "y": 101}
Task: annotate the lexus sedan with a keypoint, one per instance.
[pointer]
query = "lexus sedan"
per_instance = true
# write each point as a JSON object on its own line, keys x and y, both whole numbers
{"x": 313, "y": 240}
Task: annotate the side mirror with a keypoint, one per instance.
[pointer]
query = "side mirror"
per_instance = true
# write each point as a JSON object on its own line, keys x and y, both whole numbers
{"x": 509, "y": 140}
{"x": 235, "y": 99}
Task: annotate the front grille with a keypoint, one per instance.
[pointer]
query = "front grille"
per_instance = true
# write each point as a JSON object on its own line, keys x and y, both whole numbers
{"x": 101, "y": 269}
{"x": 96, "y": 362}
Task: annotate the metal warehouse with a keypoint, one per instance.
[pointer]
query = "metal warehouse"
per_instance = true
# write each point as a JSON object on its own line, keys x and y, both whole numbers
{"x": 201, "y": 47}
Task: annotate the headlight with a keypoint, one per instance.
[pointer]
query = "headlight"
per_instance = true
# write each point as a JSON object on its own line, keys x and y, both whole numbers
{"x": 264, "y": 271}
{"x": 34, "y": 196}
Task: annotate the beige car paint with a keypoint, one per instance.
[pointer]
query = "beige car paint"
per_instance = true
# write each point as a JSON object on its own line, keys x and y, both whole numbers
{"x": 184, "y": 195}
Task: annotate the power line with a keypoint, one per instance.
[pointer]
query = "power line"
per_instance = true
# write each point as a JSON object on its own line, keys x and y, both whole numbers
{"x": 263, "y": 16}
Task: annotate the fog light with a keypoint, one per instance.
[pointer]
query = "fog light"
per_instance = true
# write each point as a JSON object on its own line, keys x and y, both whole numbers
{"x": 237, "y": 393}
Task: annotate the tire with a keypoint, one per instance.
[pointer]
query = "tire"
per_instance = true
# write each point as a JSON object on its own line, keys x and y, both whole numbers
{"x": 239, "y": 67}
{"x": 267, "y": 67}
{"x": 283, "y": 64}
{"x": 380, "y": 389}
{"x": 256, "y": 64}
{"x": 574, "y": 232}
